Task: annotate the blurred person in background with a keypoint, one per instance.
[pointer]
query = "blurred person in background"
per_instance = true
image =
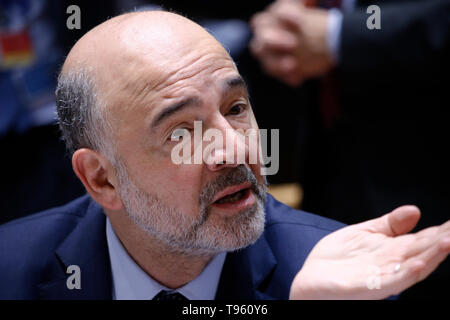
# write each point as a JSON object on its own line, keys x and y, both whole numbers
{"x": 36, "y": 173}
{"x": 380, "y": 130}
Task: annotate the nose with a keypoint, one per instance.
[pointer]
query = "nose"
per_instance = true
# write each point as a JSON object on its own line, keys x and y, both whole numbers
{"x": 230, "y": 152}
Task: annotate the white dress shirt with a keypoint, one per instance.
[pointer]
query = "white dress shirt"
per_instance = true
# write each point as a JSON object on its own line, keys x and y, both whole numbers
{"x": 130, "y": 282}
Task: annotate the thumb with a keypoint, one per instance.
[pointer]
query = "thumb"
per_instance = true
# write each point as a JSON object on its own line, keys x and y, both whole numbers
{"x": 397, "y": 222}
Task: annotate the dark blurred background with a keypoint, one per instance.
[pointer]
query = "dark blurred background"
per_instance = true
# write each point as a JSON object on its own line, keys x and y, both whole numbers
{"x": 383, "y": 145}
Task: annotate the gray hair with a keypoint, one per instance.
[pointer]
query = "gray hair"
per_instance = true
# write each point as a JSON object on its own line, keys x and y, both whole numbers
{"x": 81, "y": 118}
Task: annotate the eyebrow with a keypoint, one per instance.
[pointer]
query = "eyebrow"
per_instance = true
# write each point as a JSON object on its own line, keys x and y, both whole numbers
{"x": 229, "y": 85}
{"x": 234, "y": 82}
{"x": 174, "y": 108}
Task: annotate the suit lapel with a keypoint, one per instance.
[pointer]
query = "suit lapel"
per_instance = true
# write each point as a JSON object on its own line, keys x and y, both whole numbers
{"x": 85, "y": 247}
{"x": 246, "y": 273}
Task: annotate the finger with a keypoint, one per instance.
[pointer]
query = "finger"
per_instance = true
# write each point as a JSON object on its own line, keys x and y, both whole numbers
{"x": 421, "y": 241}
{"x": 441, "y": 231}
{"x": 274, "y": 40}
{"x": 397, "y": 222}
{"x": 262, "y": 19}
{"x": 292, "y": 76}
{"x": 418, "y": 268}
{"x": 446, "y": 226}
{"x": 407, "y": 276}
{"x": 403, "y": 219}
{"x": 414, "y": 245}
{"x": 289, "y": 14}
{"x": 279, "y": 66}
{"x": 283, "y": 67}
{"x": 426, "y": 238}
{"x": 433, "y": 257}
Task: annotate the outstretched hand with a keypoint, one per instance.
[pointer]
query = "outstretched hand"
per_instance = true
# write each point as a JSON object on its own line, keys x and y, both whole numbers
{"x": 372, "y": 260}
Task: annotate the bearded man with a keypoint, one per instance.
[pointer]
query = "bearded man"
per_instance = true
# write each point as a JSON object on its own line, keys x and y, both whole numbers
{"x": 153, "y": 229}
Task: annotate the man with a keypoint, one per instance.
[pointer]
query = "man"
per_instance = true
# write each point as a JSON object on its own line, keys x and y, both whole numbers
{"x": 173, "y": 231}
{"x": 376, "y": 80}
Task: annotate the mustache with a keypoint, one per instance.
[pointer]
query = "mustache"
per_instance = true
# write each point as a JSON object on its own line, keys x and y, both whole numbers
{"x": 233, "y": 177}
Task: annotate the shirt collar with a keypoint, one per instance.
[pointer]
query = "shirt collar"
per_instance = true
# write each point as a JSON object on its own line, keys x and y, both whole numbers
{"x": 130, "y": 282}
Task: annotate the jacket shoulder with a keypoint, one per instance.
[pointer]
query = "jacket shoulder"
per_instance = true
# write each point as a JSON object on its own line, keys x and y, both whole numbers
{"x": 279, "y": 214}
{"x": 37, "y": 235}
{"x": 45, "y": 221}
{"x": 291, "y": 235}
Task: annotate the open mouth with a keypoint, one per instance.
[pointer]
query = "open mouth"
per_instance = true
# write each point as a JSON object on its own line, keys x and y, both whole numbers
{"x": 233, "y": 197}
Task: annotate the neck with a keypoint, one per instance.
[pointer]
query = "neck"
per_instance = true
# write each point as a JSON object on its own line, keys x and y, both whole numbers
{"x": 172, "y": 270}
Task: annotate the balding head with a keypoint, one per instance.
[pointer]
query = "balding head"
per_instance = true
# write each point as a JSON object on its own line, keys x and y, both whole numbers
{"x": 148, "y": 33}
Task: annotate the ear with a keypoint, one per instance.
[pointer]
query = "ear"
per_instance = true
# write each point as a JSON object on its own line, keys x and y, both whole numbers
{"x": 98, "y": 176}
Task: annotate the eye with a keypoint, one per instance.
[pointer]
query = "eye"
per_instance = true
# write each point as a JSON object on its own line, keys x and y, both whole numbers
{"x": 178, "y": 133}
{"x": 237, "y": 109}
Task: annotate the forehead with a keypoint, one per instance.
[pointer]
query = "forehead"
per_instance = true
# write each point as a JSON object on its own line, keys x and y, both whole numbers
{"x": 193, "y": 70}
{"x": 201, "y": 71}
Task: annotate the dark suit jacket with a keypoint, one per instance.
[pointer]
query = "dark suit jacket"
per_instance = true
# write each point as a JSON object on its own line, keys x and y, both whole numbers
{"x": 35, "y": 252}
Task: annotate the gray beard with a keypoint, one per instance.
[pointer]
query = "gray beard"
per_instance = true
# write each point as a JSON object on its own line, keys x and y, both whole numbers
{"x": 183, "y": 234}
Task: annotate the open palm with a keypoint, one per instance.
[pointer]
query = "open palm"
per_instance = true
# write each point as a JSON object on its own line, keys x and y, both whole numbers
{"x": 372, "y": 260}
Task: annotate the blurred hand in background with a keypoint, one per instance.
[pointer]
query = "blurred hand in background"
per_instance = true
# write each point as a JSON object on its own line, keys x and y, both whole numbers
{"x": 290, "y": 41}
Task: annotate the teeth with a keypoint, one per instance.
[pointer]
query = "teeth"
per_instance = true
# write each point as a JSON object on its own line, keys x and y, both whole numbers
{"x": 232, "y": 197}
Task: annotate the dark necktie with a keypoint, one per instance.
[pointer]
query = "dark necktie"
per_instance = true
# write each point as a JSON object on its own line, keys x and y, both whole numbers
{"x": 164, "y": 295}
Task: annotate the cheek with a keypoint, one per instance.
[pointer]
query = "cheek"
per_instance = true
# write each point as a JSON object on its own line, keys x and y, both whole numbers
{"x": 179, "y": 186}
